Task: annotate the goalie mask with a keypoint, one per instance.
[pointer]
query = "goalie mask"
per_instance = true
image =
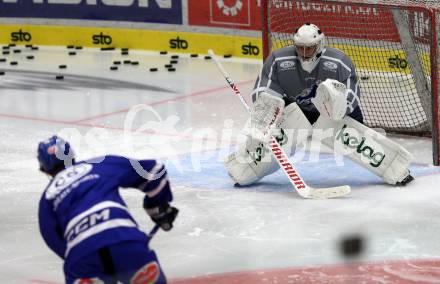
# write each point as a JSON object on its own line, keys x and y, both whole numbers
{"x": 309, "y": 43}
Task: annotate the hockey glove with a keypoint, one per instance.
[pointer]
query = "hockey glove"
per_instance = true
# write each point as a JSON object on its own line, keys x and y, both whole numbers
{"x": 331, "y": 99}
{"x": 163, "y": 215}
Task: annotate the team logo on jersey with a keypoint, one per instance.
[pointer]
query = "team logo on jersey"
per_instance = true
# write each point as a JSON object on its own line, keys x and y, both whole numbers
{"x": 147, "y": 274}
{"x": 330, "y": 66}
{"x": 287, "y": 65}
{"x": 66, "y": 178}
{"x": 305, "y": 98}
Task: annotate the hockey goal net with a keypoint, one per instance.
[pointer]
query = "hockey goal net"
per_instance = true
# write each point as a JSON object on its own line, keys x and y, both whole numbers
{"x": 394, "y": 46}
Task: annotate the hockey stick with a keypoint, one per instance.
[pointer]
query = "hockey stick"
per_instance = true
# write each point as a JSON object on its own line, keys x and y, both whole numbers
{"x": 295, "y": 179}
{"x": 153, "y": 232}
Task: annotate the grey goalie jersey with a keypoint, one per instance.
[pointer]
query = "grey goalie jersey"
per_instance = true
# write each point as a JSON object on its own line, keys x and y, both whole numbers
{"x": 282, "y": 72}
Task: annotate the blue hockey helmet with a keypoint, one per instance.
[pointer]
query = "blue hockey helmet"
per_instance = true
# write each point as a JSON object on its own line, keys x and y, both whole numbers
{"x": 54, "y": 154}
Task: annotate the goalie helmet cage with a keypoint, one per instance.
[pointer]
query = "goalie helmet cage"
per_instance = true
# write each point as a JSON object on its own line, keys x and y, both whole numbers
{"x": 394, "y": 46}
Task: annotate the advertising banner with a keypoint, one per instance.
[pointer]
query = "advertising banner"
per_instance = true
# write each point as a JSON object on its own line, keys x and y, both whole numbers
{"x": 147, "y": 11}
{"x": 111, "y": 39}
{"x": 237, "y": 14}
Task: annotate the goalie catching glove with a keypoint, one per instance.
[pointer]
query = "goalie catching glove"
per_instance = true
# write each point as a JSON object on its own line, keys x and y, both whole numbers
{"x": 331, "y": 99}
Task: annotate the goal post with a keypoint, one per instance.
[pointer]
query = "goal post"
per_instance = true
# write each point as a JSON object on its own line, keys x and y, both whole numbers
{"x": 394, "y": 45}
{"x": 435, "y": 85}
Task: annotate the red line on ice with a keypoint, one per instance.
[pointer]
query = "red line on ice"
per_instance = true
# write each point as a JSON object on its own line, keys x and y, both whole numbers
{"x": 200, "y": 93}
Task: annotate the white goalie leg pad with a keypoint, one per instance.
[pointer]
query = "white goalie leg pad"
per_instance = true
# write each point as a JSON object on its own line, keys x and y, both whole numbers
{"x": 293, "y": 129}
{"x": 251, "y": 161}
{"x": 331, "y": 99}
{"x": 367, "y": 147}
{"x": 244, "y": 170}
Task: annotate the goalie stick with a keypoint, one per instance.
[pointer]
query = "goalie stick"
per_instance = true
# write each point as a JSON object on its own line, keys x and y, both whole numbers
{"x": 295, "y": 179}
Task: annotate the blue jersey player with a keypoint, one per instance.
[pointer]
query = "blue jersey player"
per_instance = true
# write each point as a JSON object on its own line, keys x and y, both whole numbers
{"x": 84, "y": 220}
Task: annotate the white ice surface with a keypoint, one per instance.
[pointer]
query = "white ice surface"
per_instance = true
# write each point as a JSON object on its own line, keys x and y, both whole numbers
{"x": 220, "y": 228}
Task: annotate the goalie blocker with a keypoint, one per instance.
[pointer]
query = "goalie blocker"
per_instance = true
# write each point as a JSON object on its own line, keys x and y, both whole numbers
{"x": 346, "y": 136}
{"x": 253, "y": 160}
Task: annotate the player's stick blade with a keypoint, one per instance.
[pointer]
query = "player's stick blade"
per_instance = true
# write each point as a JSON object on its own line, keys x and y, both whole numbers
{"x": 329, "y": 192}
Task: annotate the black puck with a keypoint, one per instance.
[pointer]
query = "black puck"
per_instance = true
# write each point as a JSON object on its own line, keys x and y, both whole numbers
{"x": 352, "y": 246}
{"x": 135, "y": 63}
{"x": 127, "y": 61}
{"x": 72, "y": 53}
{"x": 194, "y": 55}
{"x": 14, "y": 63}
{"x": 113, "y": 67}
{"x": 34, "y": 47}
{"x": 70, "y": 46}
{"x": 153, "y": 69}
{"x": 124, "y": 49}
{"x": 227, "y": 56}
{"x": 2, "y": 59}
{"x": 124, "y": 52}
{"x": 5, "y": 47}
{"x": 30, "y": 57}
{"x": 12, "y": 45}
{"x": 59, "y": 77}
{"x": 168, "y": 65}
{"x": 2, "y": 73}
{"x": 174, "y": 56}
{"x": 207, "y": 57}
{"x": 5, "y": 52}
{"x": 17, "y": 50}
{"x": 78, "y": 47}
{"x": 174, "y": 61}
{"x": 171, "y": 69}
{"x": 163, "y": 52}
{"x": 107, "y": 48}
{"x": 28, "y": 45}
{"x": 62, "y": 66}
{"x": 117, "y": 62}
